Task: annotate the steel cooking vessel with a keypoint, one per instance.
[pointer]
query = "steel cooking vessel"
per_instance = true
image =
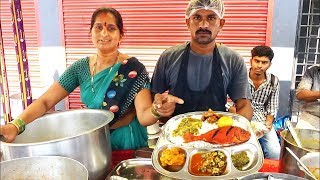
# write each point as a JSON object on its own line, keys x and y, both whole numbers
{"x": 82, "y": 135}
{"x": 310, "y": 140}
{"x": 271, "y": 175}
{"x": 311, "y": 160}
{"x": 43, "y": 167}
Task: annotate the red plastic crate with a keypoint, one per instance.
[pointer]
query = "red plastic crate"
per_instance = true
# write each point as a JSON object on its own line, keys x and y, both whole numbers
{"x": 121, "y": 155}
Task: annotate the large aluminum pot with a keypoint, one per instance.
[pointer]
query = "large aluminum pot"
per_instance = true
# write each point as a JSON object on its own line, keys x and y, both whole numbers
{"x": 310, "y": 140}
{"x": 82, "y": 135}
{"x": 43, "y": 167}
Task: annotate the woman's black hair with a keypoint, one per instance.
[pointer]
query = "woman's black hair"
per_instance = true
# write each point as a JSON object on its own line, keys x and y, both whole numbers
{"x": 114, "y": 12}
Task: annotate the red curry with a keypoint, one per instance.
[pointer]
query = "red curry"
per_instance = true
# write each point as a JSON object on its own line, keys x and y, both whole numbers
{"x": 208, "y": 163}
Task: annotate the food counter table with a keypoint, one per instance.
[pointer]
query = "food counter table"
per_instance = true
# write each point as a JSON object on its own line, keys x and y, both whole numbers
{"x": 130, "y": 162}
{"x": 132, "y": 158}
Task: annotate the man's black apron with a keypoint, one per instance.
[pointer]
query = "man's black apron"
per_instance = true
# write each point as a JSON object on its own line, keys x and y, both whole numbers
{"x": 214, "y": 96}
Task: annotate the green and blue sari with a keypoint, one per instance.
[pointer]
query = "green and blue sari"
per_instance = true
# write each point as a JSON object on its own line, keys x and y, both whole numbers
{"x": 115, "y": 89}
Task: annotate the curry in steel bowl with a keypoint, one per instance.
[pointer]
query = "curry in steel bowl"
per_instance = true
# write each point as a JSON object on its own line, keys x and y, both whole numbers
{"x": 209, "y": 163}
{"x": 172, "y": 158}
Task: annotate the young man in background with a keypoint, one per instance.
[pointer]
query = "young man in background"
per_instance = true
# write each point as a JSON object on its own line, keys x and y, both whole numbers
{"x": 264, "y": 88}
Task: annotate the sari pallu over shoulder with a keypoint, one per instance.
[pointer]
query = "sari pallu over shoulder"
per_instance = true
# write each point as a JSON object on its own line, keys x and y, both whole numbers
{"x": 101, "y": 82}
{"x": 124, "y": 81}
{"x": 118, "y": 97}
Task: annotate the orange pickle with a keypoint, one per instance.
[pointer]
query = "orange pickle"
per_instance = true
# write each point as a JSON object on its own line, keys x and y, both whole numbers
{"x": 172, "y": 159}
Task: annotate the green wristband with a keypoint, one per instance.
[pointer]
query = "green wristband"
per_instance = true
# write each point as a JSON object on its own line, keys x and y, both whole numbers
{"x": 19, "y": 124}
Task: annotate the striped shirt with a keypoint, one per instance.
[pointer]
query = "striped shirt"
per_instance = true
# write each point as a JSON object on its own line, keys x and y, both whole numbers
{"x": 262, "y": 104}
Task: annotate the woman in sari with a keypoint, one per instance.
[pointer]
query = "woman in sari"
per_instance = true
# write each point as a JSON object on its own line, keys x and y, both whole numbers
{"x": 108, "y": 80}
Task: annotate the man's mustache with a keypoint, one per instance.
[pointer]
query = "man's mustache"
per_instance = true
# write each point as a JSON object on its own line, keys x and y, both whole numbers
{"x": 203, "y": 31}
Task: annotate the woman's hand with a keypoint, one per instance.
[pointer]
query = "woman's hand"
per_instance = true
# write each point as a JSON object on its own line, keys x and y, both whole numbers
{"x": 165, "y": 104}
{"x": 9, "y": 132}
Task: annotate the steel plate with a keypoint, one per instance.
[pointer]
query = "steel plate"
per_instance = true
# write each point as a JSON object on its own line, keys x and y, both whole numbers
{"x": 140, "y": 168}
{"x": 252, "y": 147}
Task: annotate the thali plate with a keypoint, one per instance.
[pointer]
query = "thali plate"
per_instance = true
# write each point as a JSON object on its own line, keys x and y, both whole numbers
{"x": 166, "y": 141}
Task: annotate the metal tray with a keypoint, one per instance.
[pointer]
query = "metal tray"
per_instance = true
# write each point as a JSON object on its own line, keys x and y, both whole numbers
{"x": 252, "y": 147}
{"x": 140, "y": 168}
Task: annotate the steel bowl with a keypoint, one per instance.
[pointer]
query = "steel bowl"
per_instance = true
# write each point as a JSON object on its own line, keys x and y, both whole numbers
{"x": 310, "y": 140}
{"x": 43, "y": 167}
{"x": 312, "y": 161}
{"x": 82, "y": 135}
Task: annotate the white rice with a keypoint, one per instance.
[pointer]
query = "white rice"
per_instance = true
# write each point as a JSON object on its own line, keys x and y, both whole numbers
{"x": 178, "y": 140}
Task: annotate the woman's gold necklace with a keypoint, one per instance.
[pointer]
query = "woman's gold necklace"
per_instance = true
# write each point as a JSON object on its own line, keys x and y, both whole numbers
{"x": 94, "y": 70}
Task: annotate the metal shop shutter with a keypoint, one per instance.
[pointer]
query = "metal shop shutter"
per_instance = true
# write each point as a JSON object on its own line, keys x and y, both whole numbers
{"x": 31, "y": 36}
{"x": 153, "y": 25}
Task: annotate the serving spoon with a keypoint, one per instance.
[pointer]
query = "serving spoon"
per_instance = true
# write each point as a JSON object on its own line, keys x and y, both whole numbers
{"x": 294, "y": 134}
{"x": 301, "y": 163}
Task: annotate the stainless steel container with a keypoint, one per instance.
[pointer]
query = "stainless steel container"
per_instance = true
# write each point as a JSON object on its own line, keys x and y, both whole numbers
{"x": 43, "y": 167}
{"x": 312, "y": 161}
{"x": 271, "y": 175}
{"x": 140, "y": 168}
{"x": 82, "y": 135}
{"x": 310, "y": 140}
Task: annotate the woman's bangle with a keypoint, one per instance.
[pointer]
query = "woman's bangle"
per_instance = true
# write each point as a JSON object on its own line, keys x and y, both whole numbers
{"x": 19, "y": 124}
{"x": 155, "y": 113}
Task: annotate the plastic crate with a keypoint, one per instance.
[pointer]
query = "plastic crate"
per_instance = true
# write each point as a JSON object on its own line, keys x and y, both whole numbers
{"x": 121, "y": 155}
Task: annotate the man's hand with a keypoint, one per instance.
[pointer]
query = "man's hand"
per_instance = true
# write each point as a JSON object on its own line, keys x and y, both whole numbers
{"x": 269, "y": 126}
{"x": 259, "y": 134}
{"x": 165, "y": 104}
{"x": 308, "y": 95}
{"x": 269, "y": 121}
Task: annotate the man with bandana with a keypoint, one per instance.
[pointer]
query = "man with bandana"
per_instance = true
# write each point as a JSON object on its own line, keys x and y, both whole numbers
{"x": 202, "y": 72}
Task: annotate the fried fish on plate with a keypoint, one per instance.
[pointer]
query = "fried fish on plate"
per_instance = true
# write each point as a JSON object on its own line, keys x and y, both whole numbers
{"x": 224, "y": 135}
